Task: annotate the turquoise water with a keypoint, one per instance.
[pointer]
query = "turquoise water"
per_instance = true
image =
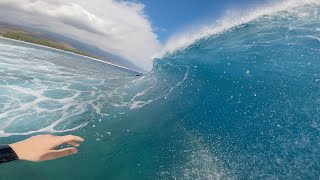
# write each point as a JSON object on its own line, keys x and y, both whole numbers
{"x": 242, "y": 104}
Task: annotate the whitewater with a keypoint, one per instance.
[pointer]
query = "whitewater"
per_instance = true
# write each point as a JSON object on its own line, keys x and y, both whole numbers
{"x": 235, "y": 100}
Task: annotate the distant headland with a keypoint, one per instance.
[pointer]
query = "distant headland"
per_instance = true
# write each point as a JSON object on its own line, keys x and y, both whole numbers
{"x": 38, "y": 38}
{"x": 63, "y": 43}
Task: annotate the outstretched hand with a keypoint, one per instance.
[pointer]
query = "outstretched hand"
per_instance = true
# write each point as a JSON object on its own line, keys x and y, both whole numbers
{"x": 43, "y": 147}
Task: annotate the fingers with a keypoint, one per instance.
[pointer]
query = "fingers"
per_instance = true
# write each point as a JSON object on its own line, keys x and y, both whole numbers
{"x": 55, "y": 154}
{"x": 74, "y": 143}
{"x": 69, "y": 139}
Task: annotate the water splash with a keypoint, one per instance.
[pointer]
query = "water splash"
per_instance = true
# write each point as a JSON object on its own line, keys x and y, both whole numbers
{"x": 236, "y": 17}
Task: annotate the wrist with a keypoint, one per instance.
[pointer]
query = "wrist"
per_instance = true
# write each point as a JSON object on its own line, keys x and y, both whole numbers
{"x": 17, "y": 150}
{"x": 7, "y": 154}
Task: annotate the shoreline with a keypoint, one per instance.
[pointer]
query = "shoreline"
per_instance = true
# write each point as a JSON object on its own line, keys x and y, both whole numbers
{"x": 51, "y": 48}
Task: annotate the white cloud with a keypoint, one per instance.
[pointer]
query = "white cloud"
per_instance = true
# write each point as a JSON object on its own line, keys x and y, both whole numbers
{"x": 118, "y": 27}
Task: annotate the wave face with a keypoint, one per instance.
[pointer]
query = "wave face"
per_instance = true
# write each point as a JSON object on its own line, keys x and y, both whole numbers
{"x": 249, "y": 96}
{"x": 241, "y": 104}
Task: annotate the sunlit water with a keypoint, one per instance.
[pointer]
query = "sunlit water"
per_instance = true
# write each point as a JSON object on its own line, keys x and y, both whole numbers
{"x": 240, "y": 104}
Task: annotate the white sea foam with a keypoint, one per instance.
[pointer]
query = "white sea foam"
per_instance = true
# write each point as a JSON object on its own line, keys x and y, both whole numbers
{"x": 37, "y": 95}
{"x": 230, "y": 19}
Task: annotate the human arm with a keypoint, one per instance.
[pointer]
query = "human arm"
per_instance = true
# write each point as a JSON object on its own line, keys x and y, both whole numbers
{"x": 43, "y": 147}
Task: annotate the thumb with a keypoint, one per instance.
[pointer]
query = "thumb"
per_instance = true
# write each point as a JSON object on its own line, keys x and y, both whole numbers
{"x": 55, "y": 154}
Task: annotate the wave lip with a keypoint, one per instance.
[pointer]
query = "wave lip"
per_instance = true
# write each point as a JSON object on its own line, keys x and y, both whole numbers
{"x": 234, "y": 18}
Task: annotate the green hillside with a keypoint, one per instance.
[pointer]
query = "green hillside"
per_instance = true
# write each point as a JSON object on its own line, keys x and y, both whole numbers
{"x": 37, "y": 39}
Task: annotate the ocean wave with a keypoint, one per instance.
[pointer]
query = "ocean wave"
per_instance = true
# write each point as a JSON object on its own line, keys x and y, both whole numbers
{"x": 233, "y": 18}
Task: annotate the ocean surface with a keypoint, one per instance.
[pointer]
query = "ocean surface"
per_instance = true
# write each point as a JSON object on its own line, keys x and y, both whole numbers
{"x": 243, "y": 103}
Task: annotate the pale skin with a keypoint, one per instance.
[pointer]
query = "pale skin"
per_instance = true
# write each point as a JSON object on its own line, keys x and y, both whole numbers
{"x": 43, "y": 147}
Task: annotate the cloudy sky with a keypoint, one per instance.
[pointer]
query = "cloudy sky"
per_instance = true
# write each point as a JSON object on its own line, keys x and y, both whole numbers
{"x": 134, "y": 30}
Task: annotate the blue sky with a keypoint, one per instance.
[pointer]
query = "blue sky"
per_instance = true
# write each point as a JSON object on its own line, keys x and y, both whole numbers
{"x": 170, "y": 16}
